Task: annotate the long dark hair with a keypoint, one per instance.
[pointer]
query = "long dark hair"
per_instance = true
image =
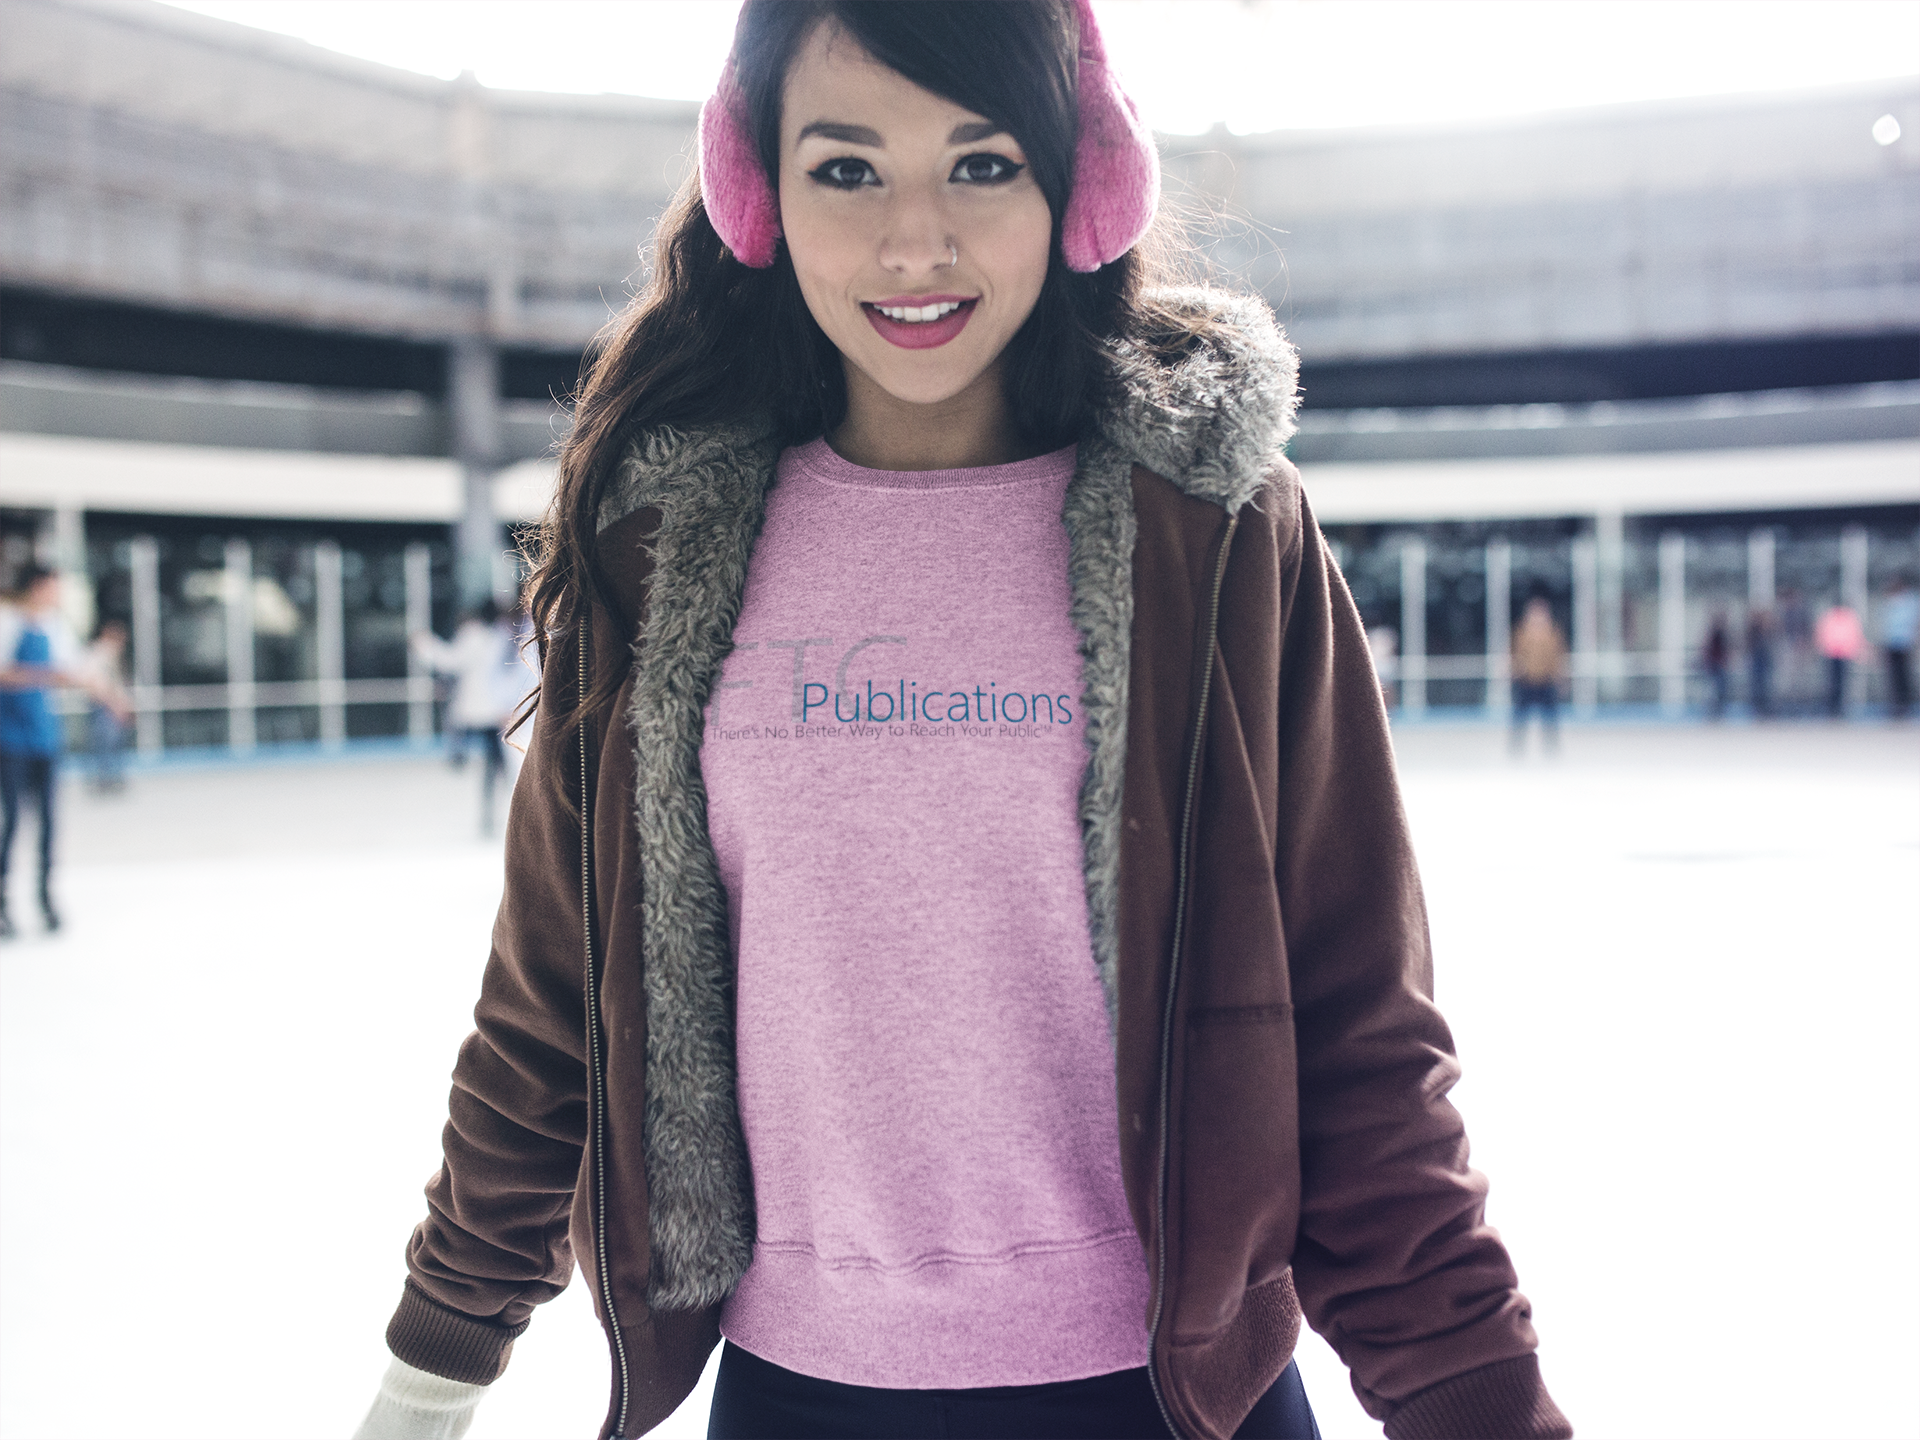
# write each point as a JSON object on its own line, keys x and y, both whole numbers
{"x": 709, "y": 341}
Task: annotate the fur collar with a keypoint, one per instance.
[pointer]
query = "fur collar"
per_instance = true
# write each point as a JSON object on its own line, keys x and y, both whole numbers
{"x": 1214, "y": 423}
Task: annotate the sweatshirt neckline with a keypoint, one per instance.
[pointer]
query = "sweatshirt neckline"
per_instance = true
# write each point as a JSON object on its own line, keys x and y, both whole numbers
{"x": 818, "y": 460}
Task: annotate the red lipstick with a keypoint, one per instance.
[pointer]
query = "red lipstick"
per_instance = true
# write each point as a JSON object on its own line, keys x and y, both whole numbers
{"x": 924, "y": 334}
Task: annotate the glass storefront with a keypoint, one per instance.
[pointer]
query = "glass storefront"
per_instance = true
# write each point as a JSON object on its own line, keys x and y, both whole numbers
{"x": 248, "y": 613}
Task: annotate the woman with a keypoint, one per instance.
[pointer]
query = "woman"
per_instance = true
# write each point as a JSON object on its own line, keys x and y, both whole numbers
{"x": 965, "y": 950}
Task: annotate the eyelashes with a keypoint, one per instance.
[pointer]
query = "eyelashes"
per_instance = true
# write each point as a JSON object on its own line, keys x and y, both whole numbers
{"x": 983, "y": 168}
{"x": 844, "y": 173}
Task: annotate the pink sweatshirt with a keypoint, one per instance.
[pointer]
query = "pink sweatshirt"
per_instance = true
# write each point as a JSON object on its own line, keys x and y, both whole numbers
{"x": 893, "y": 761}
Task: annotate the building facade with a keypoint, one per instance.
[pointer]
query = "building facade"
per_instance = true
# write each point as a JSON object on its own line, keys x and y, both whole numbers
{"x": 285, "y": 339}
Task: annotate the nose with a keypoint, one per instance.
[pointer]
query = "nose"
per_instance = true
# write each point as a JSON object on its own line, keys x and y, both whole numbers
{"x": 914, "y": 240}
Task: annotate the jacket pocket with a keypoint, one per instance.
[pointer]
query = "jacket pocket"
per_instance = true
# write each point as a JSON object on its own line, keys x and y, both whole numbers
{"x": 1239, "y": 1155}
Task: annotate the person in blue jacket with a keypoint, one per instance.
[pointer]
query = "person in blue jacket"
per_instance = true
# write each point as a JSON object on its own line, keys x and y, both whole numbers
{"x": 38, "y": 653}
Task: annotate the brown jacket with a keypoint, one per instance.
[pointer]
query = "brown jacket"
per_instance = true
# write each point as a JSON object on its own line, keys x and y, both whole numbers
{"x": 1255, "y": 913}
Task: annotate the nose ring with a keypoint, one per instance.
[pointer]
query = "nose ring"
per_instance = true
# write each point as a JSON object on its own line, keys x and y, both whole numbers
{"x": 954, "y": 251}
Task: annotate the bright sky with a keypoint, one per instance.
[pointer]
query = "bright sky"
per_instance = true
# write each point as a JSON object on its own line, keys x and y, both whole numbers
{"x": 1254, "y": 64}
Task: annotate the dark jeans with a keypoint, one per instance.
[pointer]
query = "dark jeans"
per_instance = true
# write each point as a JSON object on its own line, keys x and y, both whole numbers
{"x": 493, "y": 758}
{"x": 1836, "y": 685}
{"x": 33, "y": 777}
{"x": 1720, "y": 682}
{"x": 1899, "y": 679}
{"x": 1530, "y": 695}
{"x": 107, "y": 739}
{"x": 1760, "y": 681}
{"x": 755, "y": 1399}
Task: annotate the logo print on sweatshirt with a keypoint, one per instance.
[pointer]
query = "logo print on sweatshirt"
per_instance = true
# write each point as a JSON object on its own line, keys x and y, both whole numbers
{"x": 903, "y": 702}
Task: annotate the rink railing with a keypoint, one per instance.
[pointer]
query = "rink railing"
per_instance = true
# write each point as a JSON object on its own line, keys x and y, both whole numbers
{"x": 1599, "y": 665}
{"x": 244, "y": 702}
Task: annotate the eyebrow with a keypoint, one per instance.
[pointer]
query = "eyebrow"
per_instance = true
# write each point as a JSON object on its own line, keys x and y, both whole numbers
{"x": 967, "y": 134}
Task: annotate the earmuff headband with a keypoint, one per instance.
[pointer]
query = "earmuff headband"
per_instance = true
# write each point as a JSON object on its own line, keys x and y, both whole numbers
{"x": 1116, "y": 170}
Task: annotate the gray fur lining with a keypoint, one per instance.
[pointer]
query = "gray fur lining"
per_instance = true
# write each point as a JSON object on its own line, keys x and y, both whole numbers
{"x": 1098, "y": 515}
{"x": 711, "y": 492}
{"x": 1213, "y": 423}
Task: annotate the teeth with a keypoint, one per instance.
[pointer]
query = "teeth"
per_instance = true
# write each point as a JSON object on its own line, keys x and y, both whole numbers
{"x": 918, "y": 314}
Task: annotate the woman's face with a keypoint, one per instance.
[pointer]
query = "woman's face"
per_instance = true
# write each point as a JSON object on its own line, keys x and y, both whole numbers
{"x": 882, "y": 184}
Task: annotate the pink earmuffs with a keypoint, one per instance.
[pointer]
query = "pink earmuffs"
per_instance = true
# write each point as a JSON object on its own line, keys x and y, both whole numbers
{"x": 1116, "y": 170}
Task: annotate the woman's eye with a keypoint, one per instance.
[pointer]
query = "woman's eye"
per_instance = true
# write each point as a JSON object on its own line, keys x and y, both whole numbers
{"x": 845, "y": 174}
{"x": 986, "y": 169}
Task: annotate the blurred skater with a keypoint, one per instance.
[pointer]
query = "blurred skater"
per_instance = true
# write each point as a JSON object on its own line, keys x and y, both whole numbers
{"x": 1899, "y": 625}
{"x": 482, "y": 658}
{"x": 106, "y": 725}
{"x": 38, "y": 653}
{"x": 1715, "y": 657}
{"x": 1840, "y": 639}
{"x": 1539, "y": 666}
{"x": 1760, "y": 662}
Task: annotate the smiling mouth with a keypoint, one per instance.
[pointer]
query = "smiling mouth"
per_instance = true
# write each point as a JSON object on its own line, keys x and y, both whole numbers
{"x": 924, "y": 326}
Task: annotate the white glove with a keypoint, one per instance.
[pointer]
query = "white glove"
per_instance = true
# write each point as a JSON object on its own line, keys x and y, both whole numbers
{"x": 414, "y": 1405}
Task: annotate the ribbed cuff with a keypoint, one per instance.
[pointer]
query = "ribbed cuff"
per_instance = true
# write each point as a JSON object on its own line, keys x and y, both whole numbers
{"x": 431, "y": 1337}
{"x": 1503, "y": 1401}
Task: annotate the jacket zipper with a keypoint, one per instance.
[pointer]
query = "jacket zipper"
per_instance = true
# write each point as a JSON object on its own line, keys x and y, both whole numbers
{"x": 596, "y": 1067}
{"x": 1182, "y": 876}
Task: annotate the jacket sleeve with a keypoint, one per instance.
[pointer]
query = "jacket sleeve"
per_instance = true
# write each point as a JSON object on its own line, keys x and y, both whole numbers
{"x": 1394, "y": 1263}
{"x": 495, "y": 1242}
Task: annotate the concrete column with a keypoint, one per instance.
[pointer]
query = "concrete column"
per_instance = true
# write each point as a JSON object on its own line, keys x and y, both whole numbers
{"x": 419, "y": 572}
{"x": 65, "y": 541}
{"x": 1499, "y": 628}
{"x": 144, "y": 556}
{"x": 1413, "y": 626}
{"x": 1610, "y": 557}
{"x": 61, "y": 545}
{"x": 1760, "y": 583}
{"x": 473, "y": 397}
{"x": 330, "y": 644}
{"x": 1854, "y": 592}
{"x": 239, "y": 597}
{"x": 1673, "y": 624}
{"x": 1586, "y": 625}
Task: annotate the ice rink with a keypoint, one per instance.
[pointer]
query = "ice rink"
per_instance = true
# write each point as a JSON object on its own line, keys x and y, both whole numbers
{"x": 1682, "y": 966}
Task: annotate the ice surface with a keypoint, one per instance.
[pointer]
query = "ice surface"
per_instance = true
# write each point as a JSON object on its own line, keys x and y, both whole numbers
{"x": 1683, "y": 968}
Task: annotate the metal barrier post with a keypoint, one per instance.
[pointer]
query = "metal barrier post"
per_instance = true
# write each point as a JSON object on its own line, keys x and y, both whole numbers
{"x": 1760, "y": 581}
{"x": 1413, "y": 626}
{"x": 419, "y": 572}
{"x": 1673, "y": 623}
{"x": 330, "y": 637}
{"x": 1499, "y": 628}
{"x": 143, "y": 553}
{"x": 1610, "y": 574}
{"x": 1586, "y": 612}
{"x": 239, "y": 598}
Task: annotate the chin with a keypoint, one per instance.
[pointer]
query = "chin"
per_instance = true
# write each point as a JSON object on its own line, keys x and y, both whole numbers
{"x": 924, "y": 391}
{"x": 924, "y": 385}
